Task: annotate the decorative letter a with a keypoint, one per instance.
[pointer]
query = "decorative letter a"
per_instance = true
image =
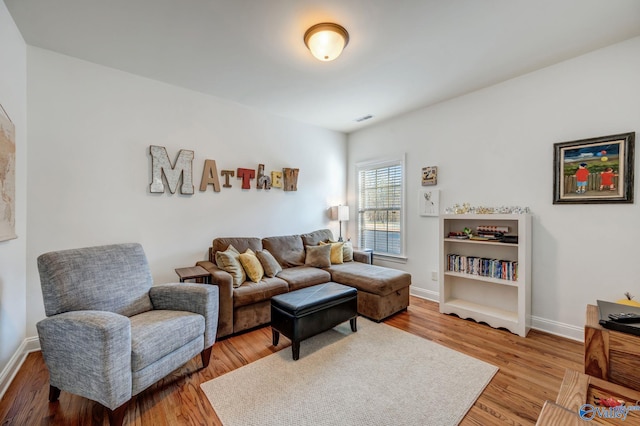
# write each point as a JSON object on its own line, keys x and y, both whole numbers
{"x": 160, "y": 164}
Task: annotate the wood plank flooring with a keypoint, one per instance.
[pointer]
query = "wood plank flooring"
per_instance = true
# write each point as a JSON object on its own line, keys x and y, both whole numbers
{"x": 531, "y": 370}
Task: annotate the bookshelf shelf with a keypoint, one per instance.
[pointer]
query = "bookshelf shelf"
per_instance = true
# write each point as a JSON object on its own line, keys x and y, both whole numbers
{"x": 481, "y": 278}
{"x": 498, "y": 302}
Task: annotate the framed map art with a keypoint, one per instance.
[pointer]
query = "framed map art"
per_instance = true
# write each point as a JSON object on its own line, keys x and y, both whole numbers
{"x": 7, "y": 177}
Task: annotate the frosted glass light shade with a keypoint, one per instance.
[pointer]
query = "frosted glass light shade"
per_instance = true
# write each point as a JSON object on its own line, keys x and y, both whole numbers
{"x": 326, "y": 40}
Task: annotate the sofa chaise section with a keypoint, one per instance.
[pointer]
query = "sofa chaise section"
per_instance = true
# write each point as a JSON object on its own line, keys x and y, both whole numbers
{"x": 381, "y": 291}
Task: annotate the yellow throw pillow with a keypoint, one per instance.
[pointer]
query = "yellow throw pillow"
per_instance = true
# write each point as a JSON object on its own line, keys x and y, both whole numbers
{"x": 228, "y": 261}
{"x": 251, "y": 265}
{"x": 337, "y": 254}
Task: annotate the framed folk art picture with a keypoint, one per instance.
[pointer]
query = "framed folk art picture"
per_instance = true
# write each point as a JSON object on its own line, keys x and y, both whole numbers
{"x": 594, "y": 171}
{"x": 429, "y": 175}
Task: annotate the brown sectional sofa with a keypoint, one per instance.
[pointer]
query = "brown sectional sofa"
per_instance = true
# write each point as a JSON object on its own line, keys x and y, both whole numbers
{"x": 381, "y": 291}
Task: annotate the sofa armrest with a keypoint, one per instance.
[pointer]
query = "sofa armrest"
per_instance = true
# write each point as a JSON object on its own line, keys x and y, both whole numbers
{"x": 363, "y": 256}
{"x": 190, "y": 297}
{"x": 88, "y": 353}
{"x": 224, "y": 281}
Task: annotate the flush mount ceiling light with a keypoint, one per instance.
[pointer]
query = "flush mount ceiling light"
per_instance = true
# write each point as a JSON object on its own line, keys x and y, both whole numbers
{"x": 326, "y": 40}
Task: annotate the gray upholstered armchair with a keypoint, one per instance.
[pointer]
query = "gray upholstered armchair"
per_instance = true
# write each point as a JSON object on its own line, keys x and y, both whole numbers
{"x": 109, "y": 334}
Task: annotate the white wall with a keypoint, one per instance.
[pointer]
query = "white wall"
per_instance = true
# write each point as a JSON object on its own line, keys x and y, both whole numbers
{"x": 13, "y": 97}
{"x": 495, "y": 147}
{"x": 90, "y": 168}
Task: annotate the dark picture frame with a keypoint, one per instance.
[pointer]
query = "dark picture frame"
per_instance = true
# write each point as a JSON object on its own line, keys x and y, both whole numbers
{"x": 594, "y": 171}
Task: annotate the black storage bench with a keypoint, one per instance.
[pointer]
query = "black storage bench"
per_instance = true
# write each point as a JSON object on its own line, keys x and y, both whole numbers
{"x": 304, "y": 313}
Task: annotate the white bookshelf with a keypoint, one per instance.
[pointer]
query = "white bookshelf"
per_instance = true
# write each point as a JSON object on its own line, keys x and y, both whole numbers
{"x": 501, "y": 303}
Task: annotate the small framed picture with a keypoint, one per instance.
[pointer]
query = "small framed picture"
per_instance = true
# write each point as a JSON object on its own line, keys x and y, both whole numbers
{"x": 592, "y": 171}
{"x": 429, "y": 175}
{"x": 429, "y": 202}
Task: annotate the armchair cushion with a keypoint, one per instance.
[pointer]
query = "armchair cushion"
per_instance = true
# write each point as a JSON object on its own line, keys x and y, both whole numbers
{"x": 157, "y": 333}
{"x": 113, "y": 278}
{"x": 190, "y": 297}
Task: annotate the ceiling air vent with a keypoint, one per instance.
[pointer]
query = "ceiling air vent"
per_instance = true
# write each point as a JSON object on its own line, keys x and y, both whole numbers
{"x": 366, "y": 117}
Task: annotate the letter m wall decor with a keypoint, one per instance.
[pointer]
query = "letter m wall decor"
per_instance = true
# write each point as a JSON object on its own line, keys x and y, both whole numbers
{"x": 182, "y": 168}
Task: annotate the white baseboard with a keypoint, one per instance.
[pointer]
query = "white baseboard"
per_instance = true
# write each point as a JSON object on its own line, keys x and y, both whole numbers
{"x": 569, "y": 331}
{"x": 30, "y": 344}
{"x": 424, "y": 294}
{"x": 542, "y": 324}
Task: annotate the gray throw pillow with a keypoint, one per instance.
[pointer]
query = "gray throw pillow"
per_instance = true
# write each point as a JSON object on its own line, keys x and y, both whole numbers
{"x": 318, "y": 256}
{"x": 269, "y": 263}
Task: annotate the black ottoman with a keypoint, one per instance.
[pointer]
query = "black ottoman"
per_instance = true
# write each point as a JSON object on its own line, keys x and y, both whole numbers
{"x": 306, "y": 312}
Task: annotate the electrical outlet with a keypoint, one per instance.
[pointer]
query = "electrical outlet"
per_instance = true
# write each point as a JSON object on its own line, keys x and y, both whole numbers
{"x": 434, "y": 275}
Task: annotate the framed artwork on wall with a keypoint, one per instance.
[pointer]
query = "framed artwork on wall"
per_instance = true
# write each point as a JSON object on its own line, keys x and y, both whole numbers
{"x": 429, "y": 202}
{"x": 429, "y": 175}
{"x": 594, "y": 171}
{"x": 7, "y": 177}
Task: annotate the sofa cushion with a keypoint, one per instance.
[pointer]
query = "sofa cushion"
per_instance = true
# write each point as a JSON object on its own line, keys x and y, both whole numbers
{"x": 316, "y": 237}
{"x": 155, "y": 334}
{"x": 337, "y": 252}
{"x": 288, "y": 250}
{"x": 318, "y": 256}
{"x": 240, "y": 243}
{"x": 251, "y": 265}
{"x": 229, "y": 261}
{"x": 304, "y": 276}
{"x": 370, "y": 278}
{"x": 269, "y": 263}
{"x": 250, "y": 292}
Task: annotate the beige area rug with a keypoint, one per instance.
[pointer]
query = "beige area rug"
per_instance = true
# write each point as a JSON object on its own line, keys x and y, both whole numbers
{"x": 377, "y": 376}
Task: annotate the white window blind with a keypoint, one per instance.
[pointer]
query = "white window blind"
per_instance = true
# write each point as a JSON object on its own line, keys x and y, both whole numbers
{"x": 380, "y": 207}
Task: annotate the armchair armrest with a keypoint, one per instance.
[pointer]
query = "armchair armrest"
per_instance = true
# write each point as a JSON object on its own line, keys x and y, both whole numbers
{"x": 197, "y": 298}
{"x": 88, "y": 353}
{"x": 224, "y": 281}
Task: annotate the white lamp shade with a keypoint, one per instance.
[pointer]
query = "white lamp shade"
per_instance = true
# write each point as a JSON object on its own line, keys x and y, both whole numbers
{"x": 340, "y": 213}
{"x": 326, "y": 41}
{"x": 343, "y": 213}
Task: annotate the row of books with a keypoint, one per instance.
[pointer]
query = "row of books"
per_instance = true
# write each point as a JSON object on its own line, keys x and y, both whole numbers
{"x": 493, "y": 268}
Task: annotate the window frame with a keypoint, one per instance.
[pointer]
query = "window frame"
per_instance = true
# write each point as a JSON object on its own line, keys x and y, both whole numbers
{"x": 378, "y": 164}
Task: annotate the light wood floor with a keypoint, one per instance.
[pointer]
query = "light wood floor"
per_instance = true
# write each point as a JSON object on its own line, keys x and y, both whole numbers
{"x": 531, "y": 370}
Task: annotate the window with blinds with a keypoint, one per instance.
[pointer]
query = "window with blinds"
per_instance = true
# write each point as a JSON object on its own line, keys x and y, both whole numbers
{"x": 380, "y": 207}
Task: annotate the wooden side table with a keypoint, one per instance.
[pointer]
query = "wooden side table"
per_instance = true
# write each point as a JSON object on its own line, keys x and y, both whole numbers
{"x": 197, "y": 273}
{"x": 610, "y": 355}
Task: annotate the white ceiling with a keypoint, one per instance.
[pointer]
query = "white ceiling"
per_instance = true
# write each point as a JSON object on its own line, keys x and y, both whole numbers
{"x": 402, "y": 55}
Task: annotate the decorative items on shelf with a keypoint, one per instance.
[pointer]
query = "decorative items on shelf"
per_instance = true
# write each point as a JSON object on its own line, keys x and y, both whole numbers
{"x": 467, "y": 208}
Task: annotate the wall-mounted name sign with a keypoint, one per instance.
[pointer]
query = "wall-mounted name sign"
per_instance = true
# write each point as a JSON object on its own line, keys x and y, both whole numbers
{"x": 182, "y": 170}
